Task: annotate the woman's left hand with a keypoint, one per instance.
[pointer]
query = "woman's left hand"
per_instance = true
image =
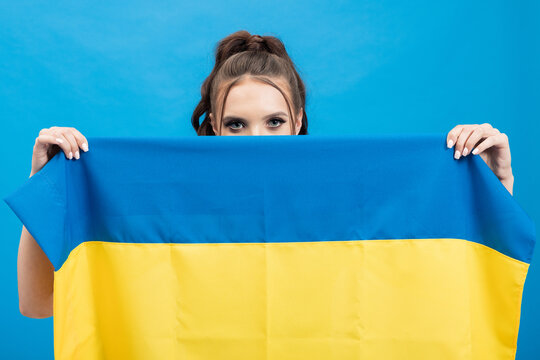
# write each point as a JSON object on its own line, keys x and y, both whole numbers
{"x": 488, "y": 142}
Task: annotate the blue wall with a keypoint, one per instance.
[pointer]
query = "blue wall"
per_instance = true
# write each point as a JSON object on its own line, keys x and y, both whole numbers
{"x": 134, "y": 69}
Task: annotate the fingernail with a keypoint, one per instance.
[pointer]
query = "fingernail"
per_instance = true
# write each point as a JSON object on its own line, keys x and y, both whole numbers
{"x": 70, "y": 156}
{"x": 59, "y": 140}
{"x": 475, "y": 151}
{"x": 77, "y": 156}
{"x": 450, "y": 143}
{"x": 465, "y": 152}
{"x": 85, "y": 146}
{"x": 457, "y": 155}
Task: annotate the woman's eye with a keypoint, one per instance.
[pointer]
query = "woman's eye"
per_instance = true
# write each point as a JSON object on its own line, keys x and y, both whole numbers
{"x": 275, "y": 122}
{"x": 234, "y": 123}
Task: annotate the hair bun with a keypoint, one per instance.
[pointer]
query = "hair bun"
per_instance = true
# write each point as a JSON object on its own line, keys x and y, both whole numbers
{"x": 242, "y": 40}
{"x": 256, "y": 38}
{"x": 256, "y": 42}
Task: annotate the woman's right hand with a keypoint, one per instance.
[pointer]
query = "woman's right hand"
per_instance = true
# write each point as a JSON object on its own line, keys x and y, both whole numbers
{"x": 50, "y": 141}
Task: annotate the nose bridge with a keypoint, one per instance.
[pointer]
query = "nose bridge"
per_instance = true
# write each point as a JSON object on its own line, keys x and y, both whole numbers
{"x": 257, "y": 129}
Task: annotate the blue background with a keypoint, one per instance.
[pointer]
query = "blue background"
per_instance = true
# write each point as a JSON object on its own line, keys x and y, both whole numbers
{"x": 370, "y": 67}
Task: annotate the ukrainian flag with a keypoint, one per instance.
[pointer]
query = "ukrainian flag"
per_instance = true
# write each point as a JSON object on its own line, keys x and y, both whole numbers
{"x": 279, "y": 247}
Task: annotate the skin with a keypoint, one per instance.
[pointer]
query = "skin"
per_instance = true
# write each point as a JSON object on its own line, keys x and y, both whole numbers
{"x": 249, "y": 108}
{"x": 487, "y": 142}
{"x": 250, "y": 101}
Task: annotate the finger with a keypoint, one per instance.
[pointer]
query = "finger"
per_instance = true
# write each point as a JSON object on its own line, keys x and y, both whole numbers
{"x": 476, "y": 135}
{"x": 462, "y": 138}
{"x": 66, "y": 146}
{"x": 73, "y": 142}
{"x": 493, "y": 140}
{"x": 47, "y": 142}
{"x": 53, "y": 137}
{"x": 45, "y": 139}
{"x": 81, "y": 139}
{"x": 453, "y": 135}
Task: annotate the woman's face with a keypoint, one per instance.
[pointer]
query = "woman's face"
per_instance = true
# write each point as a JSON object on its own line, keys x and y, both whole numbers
{"x": 256, "y": 108}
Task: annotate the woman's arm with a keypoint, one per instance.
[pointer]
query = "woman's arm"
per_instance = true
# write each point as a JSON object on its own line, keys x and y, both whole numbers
{"x": 509, "y": 184}
{"x": 35, "y": 277}
{"x": 35, "y": 272}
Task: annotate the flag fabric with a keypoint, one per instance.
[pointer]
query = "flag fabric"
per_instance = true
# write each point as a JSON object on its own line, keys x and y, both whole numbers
{"x": 279, "y": 247}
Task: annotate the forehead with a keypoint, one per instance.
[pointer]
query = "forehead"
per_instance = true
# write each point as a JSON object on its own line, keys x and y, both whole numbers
{"x": 253, "y": 97}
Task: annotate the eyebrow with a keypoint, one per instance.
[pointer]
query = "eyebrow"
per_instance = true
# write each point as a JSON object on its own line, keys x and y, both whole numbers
{"x": 227, "y": 118}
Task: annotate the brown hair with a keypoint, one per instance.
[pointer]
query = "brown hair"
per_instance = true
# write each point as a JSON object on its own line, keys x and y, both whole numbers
{"x": 260, "y": 57}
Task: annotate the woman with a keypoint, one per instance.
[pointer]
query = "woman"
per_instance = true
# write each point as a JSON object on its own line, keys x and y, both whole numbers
{"x": 254, "y": 89}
